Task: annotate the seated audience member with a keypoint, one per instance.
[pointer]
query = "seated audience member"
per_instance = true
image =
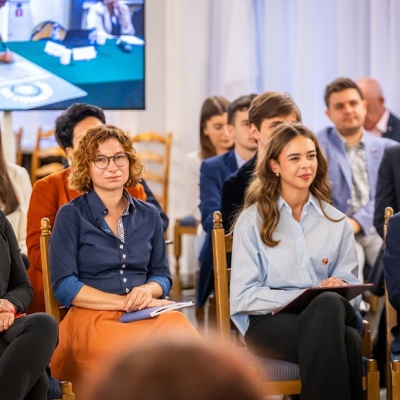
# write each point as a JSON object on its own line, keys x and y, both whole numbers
{"x": 391, "y": 263}
{"x": 110, "y": 16}
{"x": 168, "y": 369}
{"x": 379, "y": 121}
{"x": 107, "y": 256}
{"x": 213, "y": 173}
{"x": 266, "y": 111}
{"x": 26, "y": 342}
{"x": 388, "y": 186}
{"x": 51, "y": 192}
{"x": 354, "y": 157}
{"x": 288, "y": 237}
{"x": 214, "y": 140}
{"x": 15, "y": 192}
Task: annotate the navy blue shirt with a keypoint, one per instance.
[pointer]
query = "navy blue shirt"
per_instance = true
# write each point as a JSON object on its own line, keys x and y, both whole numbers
{"x": 84, "y": 251}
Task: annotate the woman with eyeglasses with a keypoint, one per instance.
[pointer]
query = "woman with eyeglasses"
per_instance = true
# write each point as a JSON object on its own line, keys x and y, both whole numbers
{"x": 107, "y": 257}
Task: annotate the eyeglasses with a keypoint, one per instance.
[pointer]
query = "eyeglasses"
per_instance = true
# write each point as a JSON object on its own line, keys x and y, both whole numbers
{"x": 120, "y": 160}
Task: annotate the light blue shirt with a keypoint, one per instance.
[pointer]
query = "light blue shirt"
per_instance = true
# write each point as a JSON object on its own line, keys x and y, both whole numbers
{"x": 263, "y": 278}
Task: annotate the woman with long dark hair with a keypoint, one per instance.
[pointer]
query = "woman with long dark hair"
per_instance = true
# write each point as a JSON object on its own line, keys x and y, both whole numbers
{"x": 287, "y": 238}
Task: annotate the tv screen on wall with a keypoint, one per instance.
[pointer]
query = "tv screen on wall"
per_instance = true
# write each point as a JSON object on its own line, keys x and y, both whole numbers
{"x": 58, "y": 52}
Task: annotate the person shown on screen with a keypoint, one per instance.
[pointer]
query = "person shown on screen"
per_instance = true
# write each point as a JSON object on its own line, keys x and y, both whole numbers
{"x": 107, "y": 256}
{"x": 26, "y": 342}
{"x": 110, "y": 16}
{"x": 288, "y": 237}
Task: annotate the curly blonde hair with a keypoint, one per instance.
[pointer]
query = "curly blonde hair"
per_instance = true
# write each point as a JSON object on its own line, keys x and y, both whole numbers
{"x": 265, "y": 188}
{"x": 79, "y": 179}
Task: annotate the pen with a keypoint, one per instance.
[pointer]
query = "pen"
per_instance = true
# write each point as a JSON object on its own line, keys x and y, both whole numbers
{"x": 3, "y": 45}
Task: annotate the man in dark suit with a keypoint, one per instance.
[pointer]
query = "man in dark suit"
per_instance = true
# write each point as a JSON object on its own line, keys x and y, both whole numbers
{"x": 379, "y": 120}
{"x": 267, "y": 111}
{"x": 388, "y": 186}
{"x": 213, "y": 173}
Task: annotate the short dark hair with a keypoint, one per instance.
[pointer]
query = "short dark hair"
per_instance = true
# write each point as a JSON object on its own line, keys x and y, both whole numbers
{"x": 74, "y": 114}
{"x": 339, "y": 85}
{"x": 270, "y": 105}
{"x": 240, "y": 104}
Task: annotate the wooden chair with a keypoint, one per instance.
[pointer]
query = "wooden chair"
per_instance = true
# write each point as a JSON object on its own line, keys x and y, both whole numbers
{"x": 283, "y": 376}
{"x": 183, "y": 226}
{"x": 52, "y": 152}
{"x": 52, "y": 305}
{"x": 392, "y": 366}
{"x": 18, "y": 148}
{"x": 154, "y": 151}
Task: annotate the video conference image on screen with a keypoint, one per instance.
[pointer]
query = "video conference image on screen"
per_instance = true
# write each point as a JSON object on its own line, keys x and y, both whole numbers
{"x": 73, "y": 51}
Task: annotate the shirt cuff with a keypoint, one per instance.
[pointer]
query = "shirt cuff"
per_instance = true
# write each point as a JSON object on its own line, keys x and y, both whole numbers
{"x": 67, "y": 290}
{"x": 163, "y": 281}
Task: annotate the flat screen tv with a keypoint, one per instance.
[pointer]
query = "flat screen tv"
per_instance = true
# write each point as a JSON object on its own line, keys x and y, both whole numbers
{"x": 72, "y": 51}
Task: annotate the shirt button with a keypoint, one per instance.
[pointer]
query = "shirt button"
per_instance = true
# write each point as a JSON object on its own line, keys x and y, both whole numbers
{"x": 123, "y": 265}
{"x": 127, "y": 290}
{"x": 124, "y": 256}
{"x": 299, "y": 239}
{"x": 305, "y": 212}
{"x": 121, "y": 272}
{"x": 302, "y": 265}
{"x": 121, "y": 246}
{"x": 124, "y": 280}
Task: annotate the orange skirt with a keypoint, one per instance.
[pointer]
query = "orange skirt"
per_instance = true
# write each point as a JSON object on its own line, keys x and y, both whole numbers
{"x": 87, "y": 336}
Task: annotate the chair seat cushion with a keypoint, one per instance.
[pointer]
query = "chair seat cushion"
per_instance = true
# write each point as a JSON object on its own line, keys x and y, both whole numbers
{"x": 188, "y": 220}
{"x": 54, "y": 391}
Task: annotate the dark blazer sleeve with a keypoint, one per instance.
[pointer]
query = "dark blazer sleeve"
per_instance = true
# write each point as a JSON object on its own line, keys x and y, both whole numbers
{"x": 391, "y": 261}
{"x": 386, "y": 187}
{"x": 152, "y": 200}
{"x": 232, "y": 197}
{"x": 14, "y": 281}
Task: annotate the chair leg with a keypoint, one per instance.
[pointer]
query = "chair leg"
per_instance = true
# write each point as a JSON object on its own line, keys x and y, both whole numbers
{"x": 372, "y": 380}
{"x": 395, "y": 380}
{"x": 177, "y": 254}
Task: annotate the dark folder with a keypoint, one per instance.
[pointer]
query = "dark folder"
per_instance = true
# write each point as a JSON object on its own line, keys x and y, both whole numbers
{"x": 301, "y": 301}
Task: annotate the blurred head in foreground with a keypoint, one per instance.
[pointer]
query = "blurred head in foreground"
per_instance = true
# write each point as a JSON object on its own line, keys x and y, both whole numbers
{"x": 169, "y": 369}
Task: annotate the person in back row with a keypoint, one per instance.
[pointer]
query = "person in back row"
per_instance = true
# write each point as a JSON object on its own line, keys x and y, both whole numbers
{"x": 213, "y": 173}
{"x": 353, "y": 157}
{"x": 379, "y": 121}
{"x": 266, "y": 112}
{"x": 51, "y": 192}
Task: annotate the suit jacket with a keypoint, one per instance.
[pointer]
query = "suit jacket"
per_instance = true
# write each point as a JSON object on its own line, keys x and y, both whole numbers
{"x": 340, "y": 174}
{"x": 48, "y": 195}
{"x": 213, "y": 173}
{"x": 14, "y": 282}
{"x": 393, "y": 129}
{"x": 233, "y": 191}
{"x": 388, "y": 186}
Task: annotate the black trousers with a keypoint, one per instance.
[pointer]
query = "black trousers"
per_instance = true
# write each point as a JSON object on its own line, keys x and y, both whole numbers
{"x": 321, "y": 339}
{"x": 25, "y": 352}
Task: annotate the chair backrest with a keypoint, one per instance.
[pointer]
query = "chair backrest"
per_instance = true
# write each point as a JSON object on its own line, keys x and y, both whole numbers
{"x": 390, "y": 314}
{"x": 48, "y": 30}
{"x": 221, "y": 245}
{"x": 18, "y": 148}
{"x": 154, "y": 151}
{"x": 52, "y": 306}
{"x": 46, "y": 149}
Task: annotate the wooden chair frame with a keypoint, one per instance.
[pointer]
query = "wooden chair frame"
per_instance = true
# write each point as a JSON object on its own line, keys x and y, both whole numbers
{"x": 392, "y": 367}
{"x": 39, "y": 171}
{"x": 159, "y": 158}
{"x": 180, "y": 230}
{"x": 51, "y": 304}
{"x": 222, "y": 244}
